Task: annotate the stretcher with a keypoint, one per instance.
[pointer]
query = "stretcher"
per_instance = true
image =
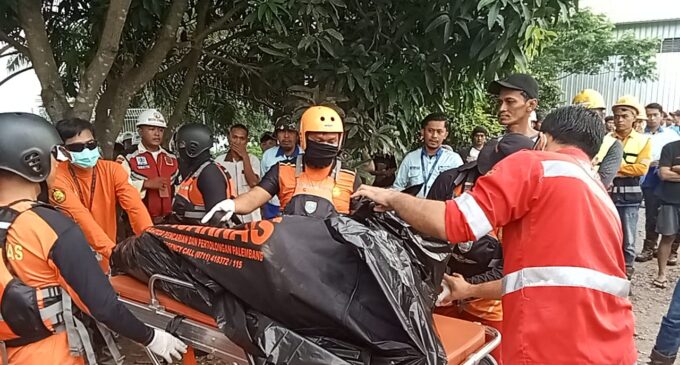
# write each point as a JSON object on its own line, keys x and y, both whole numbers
{"x": 466, "y": 343}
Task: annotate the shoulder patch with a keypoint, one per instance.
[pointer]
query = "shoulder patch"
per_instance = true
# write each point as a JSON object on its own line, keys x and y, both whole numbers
{"x": 58, "y": 195}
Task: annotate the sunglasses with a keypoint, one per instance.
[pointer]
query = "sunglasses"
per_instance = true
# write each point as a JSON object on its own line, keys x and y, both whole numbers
{"x": 79, "y": 147}
{"x": 60, "y": 153}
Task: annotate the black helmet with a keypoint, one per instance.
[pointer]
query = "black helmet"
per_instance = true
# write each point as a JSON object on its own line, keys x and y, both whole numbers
{"x": 194, "y": 139}
{"x": 26, "y": 142}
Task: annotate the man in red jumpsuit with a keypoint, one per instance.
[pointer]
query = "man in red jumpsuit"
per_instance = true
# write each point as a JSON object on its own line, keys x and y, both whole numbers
{"x": 564, "y": 289}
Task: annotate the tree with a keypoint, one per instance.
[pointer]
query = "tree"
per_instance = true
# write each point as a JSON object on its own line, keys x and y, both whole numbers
{"x": 385, "y": 63}
{"x": 586, "y": 43}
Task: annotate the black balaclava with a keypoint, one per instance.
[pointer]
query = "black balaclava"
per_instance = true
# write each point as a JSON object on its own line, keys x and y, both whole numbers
{"x": 320, "y": 155}
{"x": 188, "y": 165}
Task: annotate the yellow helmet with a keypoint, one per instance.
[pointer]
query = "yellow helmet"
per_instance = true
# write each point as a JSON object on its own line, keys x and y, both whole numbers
{"x": 631, "y": 102}
{"x": 643, "y": 113}
{"x": 320, "y": 119}
{"x": 590, "y": 99}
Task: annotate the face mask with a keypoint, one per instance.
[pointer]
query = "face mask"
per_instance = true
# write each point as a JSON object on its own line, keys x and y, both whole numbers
{"x": 320, "y": 155}
{"x": 86, "y": 158}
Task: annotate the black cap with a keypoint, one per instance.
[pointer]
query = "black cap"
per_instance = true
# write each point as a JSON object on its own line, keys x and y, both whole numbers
{"x": 284, "y": 123}
{"x": 522, "y": 82}
{"x": 500, "y": 148}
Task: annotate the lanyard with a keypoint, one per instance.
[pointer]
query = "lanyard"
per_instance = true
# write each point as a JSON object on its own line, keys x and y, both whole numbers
{"x": 93, "y": 184}
{"x": 427, "y": 177}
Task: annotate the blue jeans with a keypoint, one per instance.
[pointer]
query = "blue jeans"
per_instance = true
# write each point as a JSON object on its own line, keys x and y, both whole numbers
{"x": 668, "y": 339}
{"x": 629, "y": 220}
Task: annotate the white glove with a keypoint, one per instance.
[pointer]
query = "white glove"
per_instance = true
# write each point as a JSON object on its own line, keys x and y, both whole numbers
{"x": 226, "y": 206}
{"x": 166, "y": 346}
{"x": 441, "y": 298}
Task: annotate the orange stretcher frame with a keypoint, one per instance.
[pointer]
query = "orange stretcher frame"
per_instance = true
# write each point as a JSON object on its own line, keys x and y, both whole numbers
{"x": 466, "y": 343}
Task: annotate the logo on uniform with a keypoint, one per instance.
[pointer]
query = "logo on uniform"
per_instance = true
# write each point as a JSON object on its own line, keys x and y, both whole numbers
{"x": 142, "y": 163}
{"x": 58, "y": 196}
{"x": 169, "y": 161}
{"x": 310, "y": 206}
{"x": 336, "y": 192}
{"x": 465, "y": 247}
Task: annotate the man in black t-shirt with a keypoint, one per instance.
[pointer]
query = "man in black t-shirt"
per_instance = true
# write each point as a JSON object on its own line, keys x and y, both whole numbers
{"x": 668, "y": 221}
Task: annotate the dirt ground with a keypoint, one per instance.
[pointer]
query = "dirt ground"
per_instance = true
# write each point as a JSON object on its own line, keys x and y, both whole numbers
{"x": 649, "y": 304}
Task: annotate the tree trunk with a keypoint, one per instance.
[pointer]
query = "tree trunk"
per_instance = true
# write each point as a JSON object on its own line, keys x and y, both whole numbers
{"x": 40, "y": 52}
{"x": 193, "y": 58}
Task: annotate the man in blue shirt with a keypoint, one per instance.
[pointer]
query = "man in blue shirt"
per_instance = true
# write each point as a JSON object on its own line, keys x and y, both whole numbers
{"x": 287, "y": 134}
{"x": 420, "y": 168}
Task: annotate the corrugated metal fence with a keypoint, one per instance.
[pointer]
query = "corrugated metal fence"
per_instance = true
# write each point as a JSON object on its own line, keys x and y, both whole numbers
{"x": 665, "y": 90}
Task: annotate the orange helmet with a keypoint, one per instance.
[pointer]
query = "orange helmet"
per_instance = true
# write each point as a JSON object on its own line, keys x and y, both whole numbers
{"x": 320, "y": 119}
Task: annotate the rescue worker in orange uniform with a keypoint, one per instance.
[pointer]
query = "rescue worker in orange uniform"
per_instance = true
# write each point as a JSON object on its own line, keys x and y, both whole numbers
{"x": 204, "y": 182}
{"x": 314, "y": 184}
{"x": 47, "y": 265}
{"x": 480, "y": 261}
{"x": 153, "y": 170}
{"x": 87, "y": 189}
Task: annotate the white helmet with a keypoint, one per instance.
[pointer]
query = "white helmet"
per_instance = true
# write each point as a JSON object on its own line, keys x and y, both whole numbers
{"x": 152, "y": 118}
{"x": 123, "y": 136}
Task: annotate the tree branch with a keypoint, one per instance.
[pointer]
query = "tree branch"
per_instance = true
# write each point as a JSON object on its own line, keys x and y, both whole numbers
{"x": 15, "y": 74}
{"x": 231, "y": 62}
{"x": 219, "y": 23}
{"x": 192, "y": 72}
{"x": 224, "y": 41}
{"x": 184, "y": 62}
{"x": 40, "y": 52}
{"x": 13, "y": 42}
{"x": 95, "y": 74}
{"x": 154, "y": 58}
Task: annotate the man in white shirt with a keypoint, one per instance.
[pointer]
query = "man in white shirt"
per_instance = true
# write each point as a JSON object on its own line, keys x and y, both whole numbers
{"x": 243, "y": 167}
{"x": 479, "y": 136}
{"x": 420, "y": 168}
{"x": 660, "y": 137}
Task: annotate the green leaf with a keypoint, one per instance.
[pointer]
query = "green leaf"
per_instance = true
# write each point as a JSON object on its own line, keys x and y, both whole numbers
{"x": 439, "y": 20}
{"x": 353, "y": 131}
{"x": 279, "y": 45}
{"x": 464, "y": 27}
{"x": 487, "y": 51}
{"x": 493, "y": 15}
{"x": 326, "y": 44}
{"x": 375, "y": 66}
{"x": 271, "y": 51}
{"x": 447, "y": 31}
{"x": 483, "y": 3}
{"x": 477, "y": 45}
{"x": 428, "y": 82}
{"x": 335, "y": 34}
{"x": 261, "y": 11}
{"x": 519, "y": 58}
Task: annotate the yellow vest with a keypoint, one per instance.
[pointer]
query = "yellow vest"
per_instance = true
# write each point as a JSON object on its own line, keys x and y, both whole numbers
{"x": 607, "y": 143}
{"x": 633, "y": 146}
